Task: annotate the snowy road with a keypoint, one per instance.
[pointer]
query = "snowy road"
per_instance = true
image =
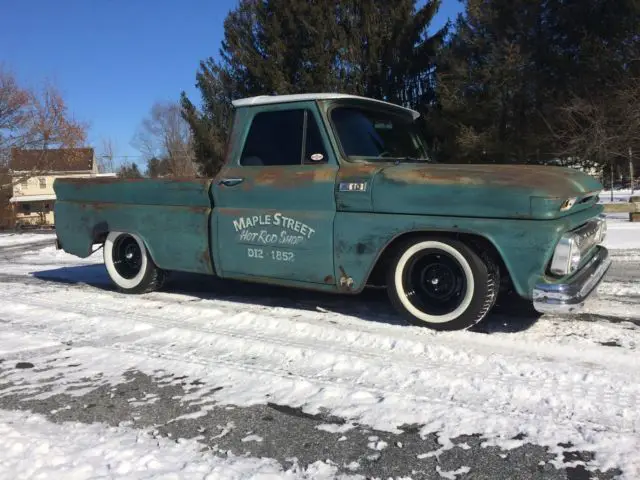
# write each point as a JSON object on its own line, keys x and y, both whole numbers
{"x": 318, "y": 385}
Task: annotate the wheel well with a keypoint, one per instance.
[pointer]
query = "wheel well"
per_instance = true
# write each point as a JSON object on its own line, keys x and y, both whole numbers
{"x": 99, "y": 233}
{"x": 478, "y": 243}
{"x": 100, "y": 238}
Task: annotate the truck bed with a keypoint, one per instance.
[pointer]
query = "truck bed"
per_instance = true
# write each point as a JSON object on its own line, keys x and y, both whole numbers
{"x": 172, "y": 216}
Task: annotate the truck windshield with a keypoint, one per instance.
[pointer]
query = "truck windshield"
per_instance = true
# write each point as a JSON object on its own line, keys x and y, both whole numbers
{"x": 372, "y": 134}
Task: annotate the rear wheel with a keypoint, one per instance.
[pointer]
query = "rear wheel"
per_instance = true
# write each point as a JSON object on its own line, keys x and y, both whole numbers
{"x": 442, "y": 283}
{"x": 129, "y": 264}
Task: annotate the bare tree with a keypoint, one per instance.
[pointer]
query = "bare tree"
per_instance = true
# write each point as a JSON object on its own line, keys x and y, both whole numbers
{"x": 166, "y": 136}
{"x": 14, "y": 104}
{"x": 106, "y": 158}
{"x": 587, "y": 134}
{"x": 37, "y": 120}
{"x": 599, "y": 131}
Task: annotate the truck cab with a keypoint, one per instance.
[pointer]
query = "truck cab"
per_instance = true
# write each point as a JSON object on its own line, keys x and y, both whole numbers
{"x": 335, "y": 192}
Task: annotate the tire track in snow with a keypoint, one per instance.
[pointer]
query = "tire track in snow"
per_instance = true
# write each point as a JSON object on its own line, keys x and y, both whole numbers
{"x": 308, "y": 331}
{"x": 306, "y": 323}
{"x": 478, "y": 407}
{"x": 45, "y": 240}
{"x": 394, "y": 337}
{"x": 63, "y": 341}
{"x": 616, "y": 308}
{"x": 607, "y": 393}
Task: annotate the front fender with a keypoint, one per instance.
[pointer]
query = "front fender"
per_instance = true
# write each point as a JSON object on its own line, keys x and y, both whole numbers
{"x": 525, "y": 246}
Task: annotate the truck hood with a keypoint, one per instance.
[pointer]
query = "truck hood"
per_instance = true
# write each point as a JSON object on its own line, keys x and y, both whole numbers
{"x": 488, "y": 191}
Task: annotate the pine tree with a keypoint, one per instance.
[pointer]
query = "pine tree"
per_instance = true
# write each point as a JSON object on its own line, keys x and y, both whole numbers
{"x": 157, "y": 167}
{"x": 374, "y": 48}
{"x": 129, "y": 170}
{"x": 487, "y": 82}
{"x": 508, "y": 75}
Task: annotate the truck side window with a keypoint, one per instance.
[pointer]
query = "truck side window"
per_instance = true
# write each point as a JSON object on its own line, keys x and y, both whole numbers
{"x": 275, "y": 138}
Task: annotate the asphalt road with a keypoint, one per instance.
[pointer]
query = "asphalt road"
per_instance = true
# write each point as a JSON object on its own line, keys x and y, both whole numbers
{"x": 285, "y": 433}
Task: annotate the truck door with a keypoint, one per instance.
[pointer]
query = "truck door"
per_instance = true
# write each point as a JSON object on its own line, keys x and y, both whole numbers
{"x": 274, "y": 199}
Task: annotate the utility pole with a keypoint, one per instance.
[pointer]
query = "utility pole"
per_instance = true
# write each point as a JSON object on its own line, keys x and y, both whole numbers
{"x": 631, "y": 169}
{"x": 611, "y": 168}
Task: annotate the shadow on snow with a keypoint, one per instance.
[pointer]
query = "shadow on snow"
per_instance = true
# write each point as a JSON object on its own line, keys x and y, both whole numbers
{"x": 509, "y": 316}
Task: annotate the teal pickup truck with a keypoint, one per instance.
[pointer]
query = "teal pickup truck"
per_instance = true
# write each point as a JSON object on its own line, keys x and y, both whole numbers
{"x": 334, "y": 192}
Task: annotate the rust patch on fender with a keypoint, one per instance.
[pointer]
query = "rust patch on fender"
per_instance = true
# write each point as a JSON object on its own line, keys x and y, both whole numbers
{"x": 178, "y": 181}
{"x": 233, "y": 212}
{"x": 205, "y": 259}
{"x": 345, "y": 282}
{"x": 430, "y": 176}
{"x": 359, "y": 169}
{"x": 79, "y": 182}
{"x": 196, "y": 209}
{"x": 101, "y": 206}
{"x": 358, "y": 173}
{"x": 554, "y": 180}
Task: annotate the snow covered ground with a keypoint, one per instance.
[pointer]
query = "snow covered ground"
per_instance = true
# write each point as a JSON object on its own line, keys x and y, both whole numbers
{"x": 563, "y": 383}
{"x": 36, "y": 448}
{"x": 22, "y": 239}
{"x": 621, "y": 233}
{"x": 621, "y": 195}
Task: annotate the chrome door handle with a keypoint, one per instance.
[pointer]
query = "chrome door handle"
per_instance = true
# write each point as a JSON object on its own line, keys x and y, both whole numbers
{"x": 230, "y": 182}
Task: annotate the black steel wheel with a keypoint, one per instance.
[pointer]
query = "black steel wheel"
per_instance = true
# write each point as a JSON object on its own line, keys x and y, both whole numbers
{"x": 127, "y": 256}
{"x": 441, "y": 283}
{"x": 129, "y": 264}
{"x": 434, "y": 282}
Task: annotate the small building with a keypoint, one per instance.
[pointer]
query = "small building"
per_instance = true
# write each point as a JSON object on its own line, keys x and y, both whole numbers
{"x": 33, "y": 173}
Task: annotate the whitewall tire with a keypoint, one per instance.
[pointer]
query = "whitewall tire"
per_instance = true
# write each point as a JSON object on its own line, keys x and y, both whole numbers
{"x": 129, "y": 264}
{"x": 442, "y": 283}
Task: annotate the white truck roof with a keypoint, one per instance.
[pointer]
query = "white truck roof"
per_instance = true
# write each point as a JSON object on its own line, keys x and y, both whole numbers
{"x": 270, "y": 99}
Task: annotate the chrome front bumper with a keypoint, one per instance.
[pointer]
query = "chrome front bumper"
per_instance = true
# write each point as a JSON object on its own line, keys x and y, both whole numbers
{"x": 570, "y": 297}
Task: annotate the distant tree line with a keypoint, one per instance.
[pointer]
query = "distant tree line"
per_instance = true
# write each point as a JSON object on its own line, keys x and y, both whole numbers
{"x": 509, "y": 81}
{"x": 165, "y": 142}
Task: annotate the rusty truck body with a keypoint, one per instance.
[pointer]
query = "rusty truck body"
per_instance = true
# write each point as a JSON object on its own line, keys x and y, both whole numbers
{"x": 334, "y": 192}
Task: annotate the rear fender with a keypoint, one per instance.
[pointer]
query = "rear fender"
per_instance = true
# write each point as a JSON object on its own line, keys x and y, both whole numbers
{"x": 177, "y": 237}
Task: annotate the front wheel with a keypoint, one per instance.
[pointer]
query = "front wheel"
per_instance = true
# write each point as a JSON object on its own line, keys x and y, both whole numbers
{"x": 129, "y": 264}
{"x": 442, "y": 283}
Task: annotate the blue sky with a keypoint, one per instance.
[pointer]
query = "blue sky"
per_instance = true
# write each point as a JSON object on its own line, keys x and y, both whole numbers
{"x": 112, "y": 59}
